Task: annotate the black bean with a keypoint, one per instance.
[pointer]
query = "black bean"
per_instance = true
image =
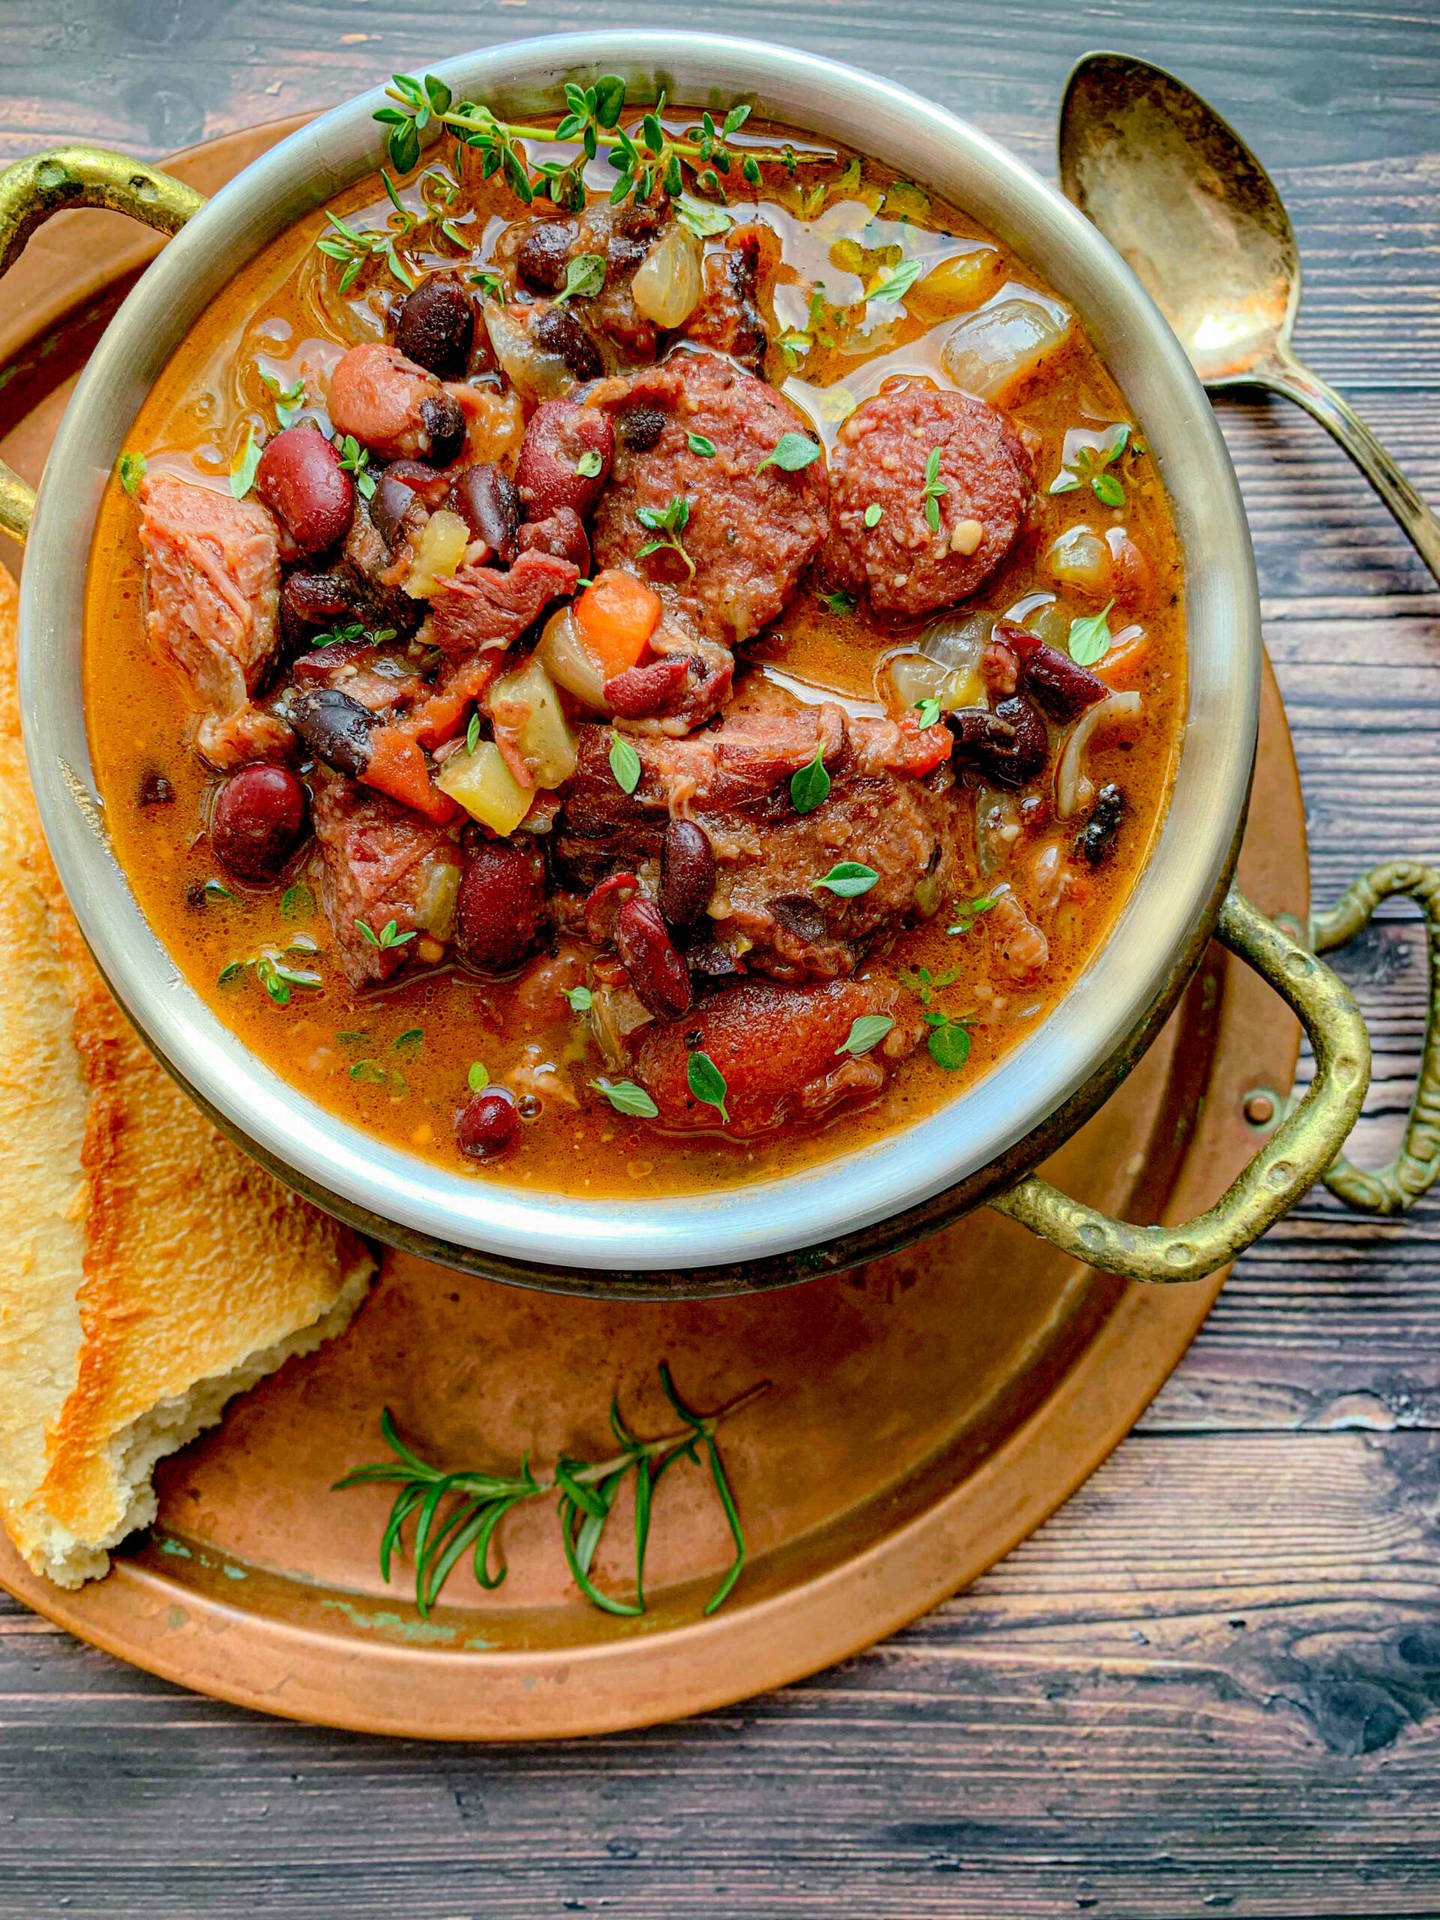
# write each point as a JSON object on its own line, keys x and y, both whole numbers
{"x": 388, "y": 505}
{"x": 155, "y": 790}
{"x": 487, "y": 501}
{"x": 687, "y": 873}
{"x": 1096, "y": 838}
{"x": 435, "y": 325}
{"x": 336, "y": 728}
{"x": 445, "y": 424}
{"x": 557, "y": 330}
{"x": 641, "y": 427}
{"x": 543, "y": 257}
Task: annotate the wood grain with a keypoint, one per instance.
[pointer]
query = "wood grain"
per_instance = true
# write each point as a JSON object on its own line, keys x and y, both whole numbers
{"x": 1209, "y": 1684}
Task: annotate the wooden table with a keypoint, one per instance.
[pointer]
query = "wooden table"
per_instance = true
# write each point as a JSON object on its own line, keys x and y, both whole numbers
{"x": 1210, "y": 1684}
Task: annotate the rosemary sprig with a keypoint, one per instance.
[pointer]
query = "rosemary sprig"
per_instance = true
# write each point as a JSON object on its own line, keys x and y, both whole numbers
{"x": 459, "y": 1513}
{"x": 644, "y": 157}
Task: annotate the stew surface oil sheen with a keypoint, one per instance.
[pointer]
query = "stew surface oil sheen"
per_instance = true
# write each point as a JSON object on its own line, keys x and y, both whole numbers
{"x": 885, "y": 702}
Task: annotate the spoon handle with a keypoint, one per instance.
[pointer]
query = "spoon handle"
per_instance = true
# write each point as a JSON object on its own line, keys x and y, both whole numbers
{"x": 1286, "y": 375}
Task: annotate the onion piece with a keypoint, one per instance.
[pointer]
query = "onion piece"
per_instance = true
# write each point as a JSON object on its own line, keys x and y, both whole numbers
{"x": 1079, "y": 558}
{"x": 571, "y": 665}
{"x": 529, "y": 369}
{"x": 997, "y": 351}
{"x": 668, "y": 282}
{"x": 1073, "y": 790}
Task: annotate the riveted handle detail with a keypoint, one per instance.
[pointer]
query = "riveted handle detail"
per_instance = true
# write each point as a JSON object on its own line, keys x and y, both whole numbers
{"x": 31, "y": 190}
{"x": 1393, "y": 1188}
{"x": 1286, "y": 1167}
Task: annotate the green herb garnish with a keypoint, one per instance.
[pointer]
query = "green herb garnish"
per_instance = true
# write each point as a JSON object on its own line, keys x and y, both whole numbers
{"x": 130, "y": 469}
{"x": 354, "y": 247}
{"x": 355, "y": 630}
{"x": 898, "y": 281}
{"x": 934, "y": 487}
{"x": 584, "y": 277}
{"x": 581, "y": 999}
{"x": 1090, "y": 638}
{"x": 624, "y": 763}
{"x": 810, "y": 784}
{"x": 458, "y": 1514}
{"x": 849, "y": 879}
{"x": 410, "y": 1041}
{"x": 217, "y": 890}
{"x": 707, "y": 1083}
{"x": 355, "y": 459}
{"x": 491, "y": 286}
{"x": 478, "y": 1078}
{"x": 964, "y": 913}
{"x": 873, "y": 514}
{"x": 840, "y": 602}
{"x": 867, "y": 1032}
{"x": 644, "y": 157}
{"x": 295, "y": 901}
{"x": 949, "y": 1039}
{"x": 590, "y": 464}
{"x": 1088, "y": 468}
{"x": 792, "y": 453}
{"x": 244, "y": 465}
{"x": 668, "y": 522}
{"x": 929, "y": 712}
{"x": 388, "y": 936}
{"x": 288, "y": 400}
{"x": 701, "y": 443}
{"x": 472, "y": 732}
{"x": 625, "y": 1097}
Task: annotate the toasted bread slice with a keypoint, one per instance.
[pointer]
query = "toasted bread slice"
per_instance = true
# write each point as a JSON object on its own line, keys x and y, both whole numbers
{"x": 148, "y": 1269}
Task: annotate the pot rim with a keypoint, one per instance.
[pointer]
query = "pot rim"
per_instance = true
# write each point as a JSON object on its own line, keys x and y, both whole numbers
{"x": 462, "y": 1217}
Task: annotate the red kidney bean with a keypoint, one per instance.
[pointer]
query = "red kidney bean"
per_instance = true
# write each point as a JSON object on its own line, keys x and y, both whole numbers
{"x": 557, "y": 330}
{"x": 432, "y": 486}
{"x": 435, "y": 325}
{"x": 561, "y": 535}
{"x": 560, "y": 435}
{"x": 648, "y": 689}
{"x": 1061, "y": 685}
{"x": 687, "y": 873}
{"x": 444, "y": 422}
{"x": 302, "y": 482}
{"x": 657, "y": 973}
{"x": 258, "y": 818}
{"x": 501, "y": 905}
{"x": 603, "y": 903}
{"x": 486, "y": 500}
{"x": 543, "y": 256}
{"x": 487, "y": 1123}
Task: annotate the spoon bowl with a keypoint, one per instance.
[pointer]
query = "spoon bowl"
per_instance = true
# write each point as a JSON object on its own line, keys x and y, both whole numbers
{"x": 1182, "y": 199}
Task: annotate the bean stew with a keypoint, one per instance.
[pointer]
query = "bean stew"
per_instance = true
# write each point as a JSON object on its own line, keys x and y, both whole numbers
{"x": 630, "y": 654}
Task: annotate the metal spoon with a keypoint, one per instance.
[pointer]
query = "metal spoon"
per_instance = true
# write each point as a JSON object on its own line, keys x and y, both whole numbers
{"x": 1184, "y": 201}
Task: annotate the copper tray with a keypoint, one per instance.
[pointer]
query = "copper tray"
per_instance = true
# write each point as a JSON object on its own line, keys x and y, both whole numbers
{"x": 924, "y": 1415}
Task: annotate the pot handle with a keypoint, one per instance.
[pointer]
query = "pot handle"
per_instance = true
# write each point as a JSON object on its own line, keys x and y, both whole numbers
{"x": 31, "y": 190}
{"x": 1306, "y": 1145}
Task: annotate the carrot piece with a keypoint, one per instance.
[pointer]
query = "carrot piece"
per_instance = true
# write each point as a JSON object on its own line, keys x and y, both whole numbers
{"x": 397, "y": 767}
{"x": 615, "y": 617}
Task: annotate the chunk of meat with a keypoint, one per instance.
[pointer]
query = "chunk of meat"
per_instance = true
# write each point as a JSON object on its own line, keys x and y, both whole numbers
{"x": 734, "y": 782}
{"x": 905, "y": 565}
{"x": 684, "y": 684}
{"x": 1020, "y": 948}
{"x": 480, "y": 607}
{"x": 752, "y": 527}
{"x": 778, "y": 1049}
{"x": 212, "y": 590}
{"x": 392, "y": 406}
{"x": 378, "y": 863}
{"x": 378, "y": 678}
{"x": 728, "y": 318}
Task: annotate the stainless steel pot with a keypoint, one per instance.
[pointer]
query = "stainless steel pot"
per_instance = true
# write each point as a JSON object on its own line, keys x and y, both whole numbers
{"x": 980, "y": 1147}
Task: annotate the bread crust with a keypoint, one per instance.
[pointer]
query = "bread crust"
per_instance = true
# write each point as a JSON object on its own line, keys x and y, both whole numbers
{"x": 154, "y": 1269}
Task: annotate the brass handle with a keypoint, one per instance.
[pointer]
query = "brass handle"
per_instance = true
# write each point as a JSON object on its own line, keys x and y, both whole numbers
{"x": 1290, "y": 1162}
{"x": 1393, "y": 1188}
{"x": 31, "y": 190}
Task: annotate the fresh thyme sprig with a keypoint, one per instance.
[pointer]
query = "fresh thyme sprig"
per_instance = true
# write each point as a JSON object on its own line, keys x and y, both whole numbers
{"x": 458, "y": 1513}
{"x": 667, "y": 523}
{"x": 644, "y": 157}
